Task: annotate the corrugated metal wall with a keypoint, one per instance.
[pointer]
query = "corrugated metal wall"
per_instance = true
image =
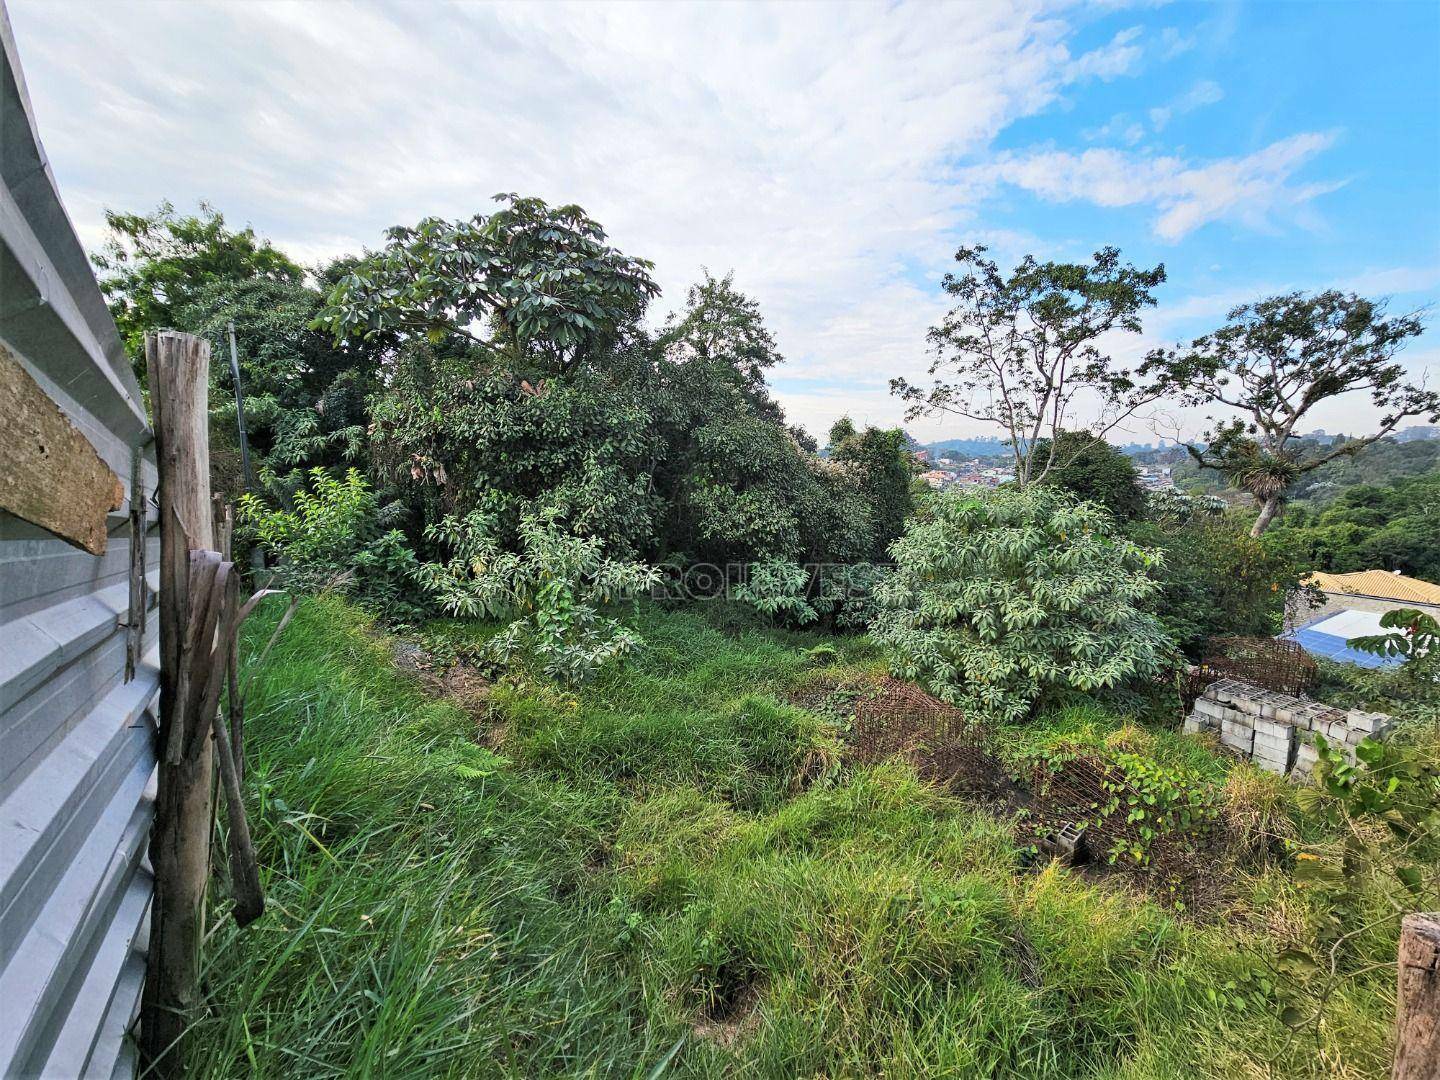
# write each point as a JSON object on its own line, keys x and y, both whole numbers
{"x": 76, "y": 744}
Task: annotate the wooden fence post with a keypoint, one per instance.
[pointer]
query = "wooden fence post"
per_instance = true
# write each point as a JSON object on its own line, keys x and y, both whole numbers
{"x": 179, "y": 373}
{"x": 1417, "y": 1006}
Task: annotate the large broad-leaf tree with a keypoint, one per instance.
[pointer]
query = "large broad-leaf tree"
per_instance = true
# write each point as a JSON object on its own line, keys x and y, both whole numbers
{"x": 1024, "y": 351}
{"x": 536, "y": 282}
{"x": 1274, "y": 361}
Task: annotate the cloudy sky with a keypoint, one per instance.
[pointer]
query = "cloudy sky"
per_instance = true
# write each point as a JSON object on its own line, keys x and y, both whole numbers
{"x": 833, "y": 156}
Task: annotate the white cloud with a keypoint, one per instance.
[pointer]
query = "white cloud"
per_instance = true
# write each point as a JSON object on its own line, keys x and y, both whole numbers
{"x": 1253, "y": 190}
{"x": 1110, "y": 61}
{"x": 825, "y": 153}
{"x": 1198, "y": 96}
{"x": 1120, "y": 128}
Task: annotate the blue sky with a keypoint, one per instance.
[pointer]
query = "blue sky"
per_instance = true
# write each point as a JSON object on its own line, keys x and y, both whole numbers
{"x": 833, "y": 156}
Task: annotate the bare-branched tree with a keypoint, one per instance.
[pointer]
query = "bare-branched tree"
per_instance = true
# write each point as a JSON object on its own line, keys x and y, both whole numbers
{"x": 1275, "y": 360}
{"x": 1023, "y": 351}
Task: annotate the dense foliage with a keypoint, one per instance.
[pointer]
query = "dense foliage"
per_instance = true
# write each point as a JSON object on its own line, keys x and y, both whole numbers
{"x": 997, "y": 599}
{"x": 476, "y": 378}
{"x": 1215, "y": 578}
{"x": 1090, "y": 468}
{"x": 1371, "y": 527}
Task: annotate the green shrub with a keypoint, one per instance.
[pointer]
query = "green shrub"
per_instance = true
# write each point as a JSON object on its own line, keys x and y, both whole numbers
{"x": 997, "y": 599}
{"x": 552, "y": 590}
{"x": 332, "y": 537}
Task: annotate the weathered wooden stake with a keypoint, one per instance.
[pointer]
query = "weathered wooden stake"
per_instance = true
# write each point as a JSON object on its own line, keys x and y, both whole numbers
{"x": 1417, "y": 1015}
{"x": 179, "y": 371}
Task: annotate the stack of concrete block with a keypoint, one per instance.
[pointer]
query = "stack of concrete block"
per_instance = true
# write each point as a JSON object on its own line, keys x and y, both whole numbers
{"x": 1277, "y": 731}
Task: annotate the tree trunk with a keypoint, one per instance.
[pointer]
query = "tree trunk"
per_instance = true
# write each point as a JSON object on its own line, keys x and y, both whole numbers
{"x": 179, "y": 368}
{"x": 1269, "y": 508}
{"x": 1417, "y": 1014}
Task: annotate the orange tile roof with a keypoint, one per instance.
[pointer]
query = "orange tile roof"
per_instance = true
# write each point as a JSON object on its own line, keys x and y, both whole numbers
{"x": 1381, "y": 584}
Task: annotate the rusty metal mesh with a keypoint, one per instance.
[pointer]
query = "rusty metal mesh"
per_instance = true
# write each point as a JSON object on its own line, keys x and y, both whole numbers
{"x": 1281, "y": 666}
{"x": 888, "y": 718}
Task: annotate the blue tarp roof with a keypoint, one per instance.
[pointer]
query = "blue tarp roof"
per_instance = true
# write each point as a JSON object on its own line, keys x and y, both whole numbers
{"x": 1312, "y": 637}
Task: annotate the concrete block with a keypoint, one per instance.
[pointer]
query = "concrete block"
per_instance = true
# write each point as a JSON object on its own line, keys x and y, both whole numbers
{"x": 1212, "y": 709}
{"x": 1243, "y": 743}
{"x": 1274, "y": 730}
{"x": 1364, "y": 721}
{"x": 1267, "y": 710}
{"x": 1271, "y": 749}
{"x": 1192, "y": 725}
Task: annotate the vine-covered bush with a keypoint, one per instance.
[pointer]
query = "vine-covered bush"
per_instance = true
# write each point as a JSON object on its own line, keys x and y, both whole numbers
{"x": 996, "y": 599}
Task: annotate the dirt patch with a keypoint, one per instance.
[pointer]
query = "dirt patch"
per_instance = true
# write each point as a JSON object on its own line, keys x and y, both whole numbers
{"x": 885, "y": 717}
{"x": 461, "y": 682}
{"x": 733, "y": 1010}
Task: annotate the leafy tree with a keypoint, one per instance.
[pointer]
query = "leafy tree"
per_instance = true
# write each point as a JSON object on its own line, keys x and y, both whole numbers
{"x": 535, "y": 281}
{"x": 740, "y": 486}
{"x": 305, "y": 397}
{"x": 720, "y": 325}
{"x": 1274, "y": 361}
{"x": 995, "y": 600}
{"x": 457, "y": 432}
{"x": 885, "y": 469}
{"x": 1215, "y": 578}
{"x": 154, "y": 266}
{"x": 1022, "y": 351}
{"x": 1090, "y": 468}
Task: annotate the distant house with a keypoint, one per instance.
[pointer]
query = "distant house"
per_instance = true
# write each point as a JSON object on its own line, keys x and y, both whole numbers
{"x": 1353, "y": 606}
{"x": 1378, "y": 591}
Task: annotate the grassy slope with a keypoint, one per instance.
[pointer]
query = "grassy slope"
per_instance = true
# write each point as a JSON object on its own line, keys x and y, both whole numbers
{"x": 644, "y": 857}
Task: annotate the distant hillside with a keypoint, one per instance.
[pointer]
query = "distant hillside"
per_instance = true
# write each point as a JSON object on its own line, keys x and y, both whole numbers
{"x": 985, "y": 446}
{"x": 992, "y": 446}
{"x": 1379, "y": 463}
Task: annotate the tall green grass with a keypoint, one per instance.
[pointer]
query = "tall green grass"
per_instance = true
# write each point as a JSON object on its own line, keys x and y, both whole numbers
{"x": 675, "y": 873}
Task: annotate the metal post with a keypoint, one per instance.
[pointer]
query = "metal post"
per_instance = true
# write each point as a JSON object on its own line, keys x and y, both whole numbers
{"x": 240, "y": 412}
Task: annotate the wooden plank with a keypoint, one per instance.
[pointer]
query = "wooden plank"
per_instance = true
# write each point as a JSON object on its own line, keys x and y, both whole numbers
{"x": 50, "y": 475}
{"x": 1417, "y": 1021}
{"x": 179, "y": 375}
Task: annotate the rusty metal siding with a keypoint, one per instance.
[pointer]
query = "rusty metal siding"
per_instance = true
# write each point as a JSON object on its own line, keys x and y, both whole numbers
{"x": 77, "y": 764}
